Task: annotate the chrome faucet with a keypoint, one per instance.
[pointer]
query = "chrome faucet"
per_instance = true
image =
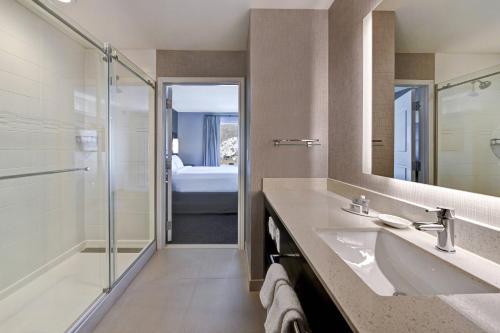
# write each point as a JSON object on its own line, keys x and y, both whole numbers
{"x": 445, "y": 228}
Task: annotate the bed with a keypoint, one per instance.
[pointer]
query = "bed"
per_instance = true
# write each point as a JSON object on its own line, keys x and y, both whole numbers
{"x": 204, "y": 203}
{"x": 205, "y": 179}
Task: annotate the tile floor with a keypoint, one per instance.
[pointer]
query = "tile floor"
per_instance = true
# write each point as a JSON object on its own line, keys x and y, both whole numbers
{"x": 188, "y": 290}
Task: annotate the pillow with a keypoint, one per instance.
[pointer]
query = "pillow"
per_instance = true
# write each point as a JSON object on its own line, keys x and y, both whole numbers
{"x": 176, "y": 162}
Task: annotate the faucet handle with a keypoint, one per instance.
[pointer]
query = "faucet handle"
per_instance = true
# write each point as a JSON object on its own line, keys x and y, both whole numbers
{"x": 443, "y": 212}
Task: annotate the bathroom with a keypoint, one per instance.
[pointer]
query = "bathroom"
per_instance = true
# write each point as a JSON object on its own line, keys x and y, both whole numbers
{"x": 368, "y": 144}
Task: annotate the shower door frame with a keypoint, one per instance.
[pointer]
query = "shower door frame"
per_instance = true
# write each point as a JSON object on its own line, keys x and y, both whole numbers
{"x": 161, "y": 140}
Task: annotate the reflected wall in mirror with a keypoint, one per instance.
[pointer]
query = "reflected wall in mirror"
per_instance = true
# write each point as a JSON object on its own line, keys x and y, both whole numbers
{"x": 434, "y": 93}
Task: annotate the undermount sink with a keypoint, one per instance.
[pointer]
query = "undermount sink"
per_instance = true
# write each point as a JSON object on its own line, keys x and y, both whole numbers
{"x": 391, "y": 266}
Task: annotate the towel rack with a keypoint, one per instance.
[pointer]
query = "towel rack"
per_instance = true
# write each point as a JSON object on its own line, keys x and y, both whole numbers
{"x": 30, "y": 174}
{"x": 274, "y": 257}
{"x": 297, "y": 142}
{"x": 297, "y": 328}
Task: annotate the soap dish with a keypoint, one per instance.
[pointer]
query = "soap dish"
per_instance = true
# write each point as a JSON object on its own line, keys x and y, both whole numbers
{"x": 394, "y": 221}
{"x": 349, "y": 210}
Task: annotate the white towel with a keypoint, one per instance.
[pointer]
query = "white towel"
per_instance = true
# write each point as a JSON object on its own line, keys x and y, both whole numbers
{"x": 277, "y": 239}
{"x": 284, "y": 310}
{"x": 276, "y": 275}
{"x": 271, "y": 226}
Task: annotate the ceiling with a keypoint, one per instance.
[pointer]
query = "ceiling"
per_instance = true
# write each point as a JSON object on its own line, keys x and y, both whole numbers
{"x": 448, "y": 26}
{"x": 174, "y": 24}
{"x": 206, "y": 99}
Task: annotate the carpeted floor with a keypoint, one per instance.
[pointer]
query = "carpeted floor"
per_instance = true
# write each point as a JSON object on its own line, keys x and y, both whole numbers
{"x": 205, "y": 229}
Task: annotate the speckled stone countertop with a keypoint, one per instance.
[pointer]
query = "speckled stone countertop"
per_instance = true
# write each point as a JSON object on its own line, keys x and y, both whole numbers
{"x": 304, "y": 206}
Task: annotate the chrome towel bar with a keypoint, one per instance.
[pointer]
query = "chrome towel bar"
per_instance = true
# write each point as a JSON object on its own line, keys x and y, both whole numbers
{"x": 296, "y": 142}
{"x": 31, "y": 174}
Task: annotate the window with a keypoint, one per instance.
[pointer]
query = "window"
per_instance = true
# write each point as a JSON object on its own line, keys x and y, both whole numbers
{"x": 229, "y": 146}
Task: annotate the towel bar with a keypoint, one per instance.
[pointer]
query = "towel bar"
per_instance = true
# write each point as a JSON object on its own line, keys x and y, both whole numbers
{"x": 296, "y": 326}
{"x": 274, "y": 257}
{"x": 296, "y": 142}
{"x": 31, "y": 174}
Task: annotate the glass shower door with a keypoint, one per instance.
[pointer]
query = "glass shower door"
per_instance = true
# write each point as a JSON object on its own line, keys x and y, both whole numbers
{"x": 131, "y": 164}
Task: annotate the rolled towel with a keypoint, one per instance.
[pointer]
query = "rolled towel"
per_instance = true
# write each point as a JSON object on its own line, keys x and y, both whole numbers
{"x": 275, "y": 276}
{"x": 284, "y": 311}
{"x": 271, "y": 226}
{"x": 277, "y": 239}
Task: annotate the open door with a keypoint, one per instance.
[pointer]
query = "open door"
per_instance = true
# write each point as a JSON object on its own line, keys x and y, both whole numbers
{"x": 403, "y": 136}
{"x": 168, "y": 160}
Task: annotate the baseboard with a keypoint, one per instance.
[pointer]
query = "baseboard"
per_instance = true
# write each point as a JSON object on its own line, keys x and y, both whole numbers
{"x": 255, "y": 284}
{"x": 42, "y": 269}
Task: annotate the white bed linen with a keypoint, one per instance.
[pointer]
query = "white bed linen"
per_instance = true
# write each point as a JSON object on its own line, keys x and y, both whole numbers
{"x": 205, "y": 179}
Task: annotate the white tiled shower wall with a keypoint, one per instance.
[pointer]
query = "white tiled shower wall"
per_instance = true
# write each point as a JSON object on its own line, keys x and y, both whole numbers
{"x": 44, "y": 102}
{"x": 467, "y": 121}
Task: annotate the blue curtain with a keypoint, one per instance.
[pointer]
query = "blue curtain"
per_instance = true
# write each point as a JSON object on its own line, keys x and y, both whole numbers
{"x": 211, "y": 140}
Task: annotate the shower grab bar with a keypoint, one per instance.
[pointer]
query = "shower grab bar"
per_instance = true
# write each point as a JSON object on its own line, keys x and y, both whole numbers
{"x": 296, "y": 142}
{"x": 31, "y": 174}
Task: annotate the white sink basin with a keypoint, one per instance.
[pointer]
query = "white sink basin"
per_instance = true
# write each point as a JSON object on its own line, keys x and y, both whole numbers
{"x": 391, "y": 266}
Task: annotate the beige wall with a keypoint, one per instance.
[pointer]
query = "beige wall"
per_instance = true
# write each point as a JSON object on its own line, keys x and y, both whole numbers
{"x": 288, "y": 94}
{"x": 383, "y": 92}
{"x": 346, "y": 124}
{"x": 454, "y": 65}
{"x": 415, "y": 66}
{"x": 200, "y": 63}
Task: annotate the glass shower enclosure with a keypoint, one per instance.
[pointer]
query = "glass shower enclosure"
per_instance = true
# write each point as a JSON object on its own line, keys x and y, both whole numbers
{"x": 76, "y": 168}
{"x": 468, "y": 132}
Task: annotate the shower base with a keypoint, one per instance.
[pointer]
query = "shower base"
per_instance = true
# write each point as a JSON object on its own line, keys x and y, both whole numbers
{"x": 54, "y": 300}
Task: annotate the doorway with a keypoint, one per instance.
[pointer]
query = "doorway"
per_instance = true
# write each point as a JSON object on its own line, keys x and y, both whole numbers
{"x": 202, "y": 159}
{"x": 414, "y": 131}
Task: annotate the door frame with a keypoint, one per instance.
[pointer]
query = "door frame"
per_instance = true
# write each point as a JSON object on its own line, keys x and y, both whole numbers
{"x": 161, "y": 188}
{"x": 430, "y": 85}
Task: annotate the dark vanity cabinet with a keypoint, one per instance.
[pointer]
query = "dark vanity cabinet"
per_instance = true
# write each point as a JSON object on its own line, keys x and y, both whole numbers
{"x": 321, "y": 312}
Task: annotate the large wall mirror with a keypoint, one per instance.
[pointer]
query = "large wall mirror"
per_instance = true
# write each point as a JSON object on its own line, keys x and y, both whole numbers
{"x": 432, "y": 93}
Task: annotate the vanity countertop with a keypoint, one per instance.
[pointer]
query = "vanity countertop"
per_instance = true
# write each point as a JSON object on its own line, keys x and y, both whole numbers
{"x": 307, "y": 208}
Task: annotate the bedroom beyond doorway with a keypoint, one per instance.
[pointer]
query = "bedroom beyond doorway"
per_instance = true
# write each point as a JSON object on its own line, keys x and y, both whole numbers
{"x": 203, "y": 163}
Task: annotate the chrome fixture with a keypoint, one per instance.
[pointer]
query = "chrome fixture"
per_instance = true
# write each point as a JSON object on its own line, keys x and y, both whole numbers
{"x": 495, "y": 147}
{"x": 445, "y": 228}
{"x": 363, "y": 202}
{"x": 31, "y": 174}
{"x": 482, "y": 84}
{"x": 296, "y": 142}
{"x": 115, "y": 56}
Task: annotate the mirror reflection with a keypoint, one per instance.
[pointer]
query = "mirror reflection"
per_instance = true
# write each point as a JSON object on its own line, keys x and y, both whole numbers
{"x": 436, "y": 93}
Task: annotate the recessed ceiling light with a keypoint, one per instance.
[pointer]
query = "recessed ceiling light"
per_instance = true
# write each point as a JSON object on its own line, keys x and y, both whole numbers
{"x": 65, "y": 1}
